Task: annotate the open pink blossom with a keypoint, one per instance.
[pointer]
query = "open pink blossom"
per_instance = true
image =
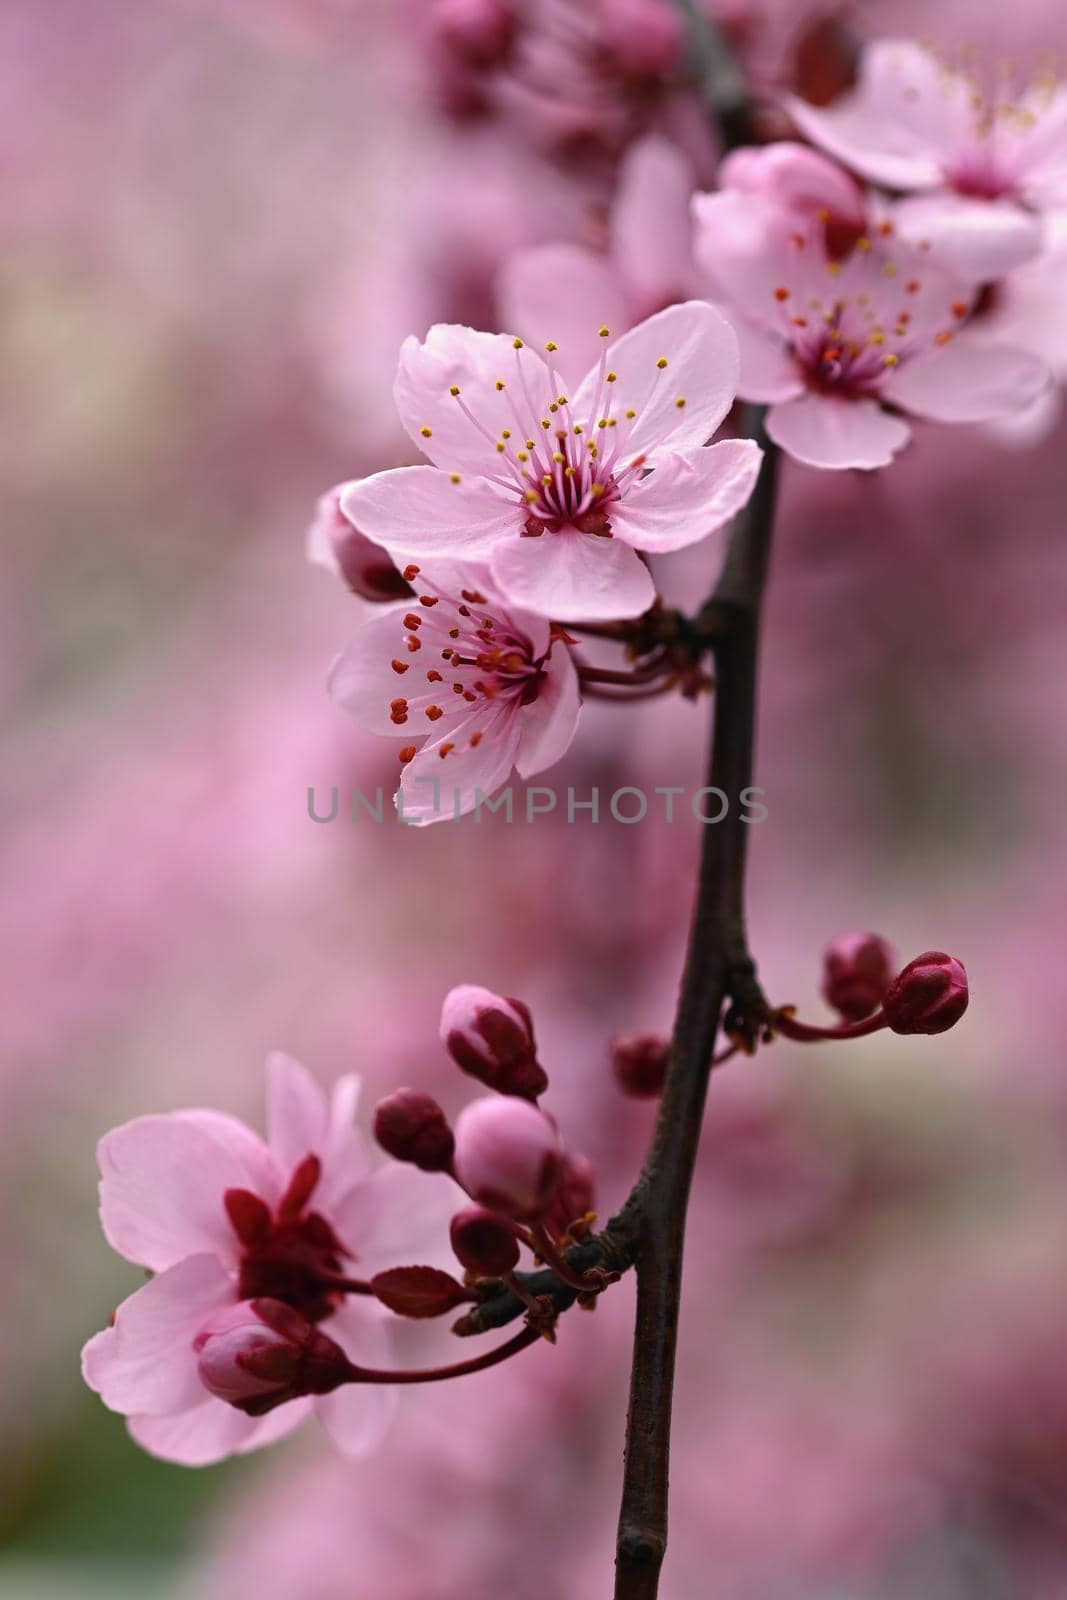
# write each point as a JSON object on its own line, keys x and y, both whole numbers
{"x": 841, "y": 346}
{"x": 559, "y": 490}
{"x": 222, "y": 1217}
{"x": 983, "y": 153}
{"x": 647, "y": 263}
{"x": 475, "y": 687}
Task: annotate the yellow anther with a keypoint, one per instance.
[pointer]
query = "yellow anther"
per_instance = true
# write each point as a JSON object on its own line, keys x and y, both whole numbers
{"x": 499, "y": 385}
{"x": 557, "y": 455}
{"x": 890, "y": 360}
{"x": 863, "y": 244}
{"x": 568, "y": 472}
{"x": 561, "y": 399}
{"x": 578, "y": 427}
{"x": 680, "y": 402}
{"x": 545, "y": 423}
{"x": 610, "y": 377}
{"x": 834, "y": 268}
{"x": 531, "y": 495}
{"x": 604, "y": 331}
{"x": 890, "y": 269}
{"x": 516, "y": 344}
{"x": 501, "y": 446}
{"x": 602, "y": 422}
{"x": 630, "y": 414}
{"x": 454, "y": 477}
{"x": 454, "y": 388}
{"x": 523, "y": 455}
{"x": 551, "y": 345}
{"x": 546, "y": 479}
{"x": 505, "y": 433}
{"x": 596, "y": 489}
{"x": 553, "y": 407}
{"x": 662, "y": 362}
{"x": 531, "y": 444}
{"x": 427, "y": 433}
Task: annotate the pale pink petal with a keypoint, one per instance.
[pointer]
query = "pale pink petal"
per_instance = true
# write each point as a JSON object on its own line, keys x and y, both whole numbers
{"x": 297, "y": 1119}
{"x": 436, "y": 788}
{"x": 145, "y": 1361}
{"x": 688, "y": 496}
{"x": 826, "y": 432}
{"x": 549, "y": 723}
{"x": 793, "y": 176}
{"x": 562, "y": 292}
{"x": 740, "y": 243}
{"x": 204, "y": 1434}
{"x": 420, "y": 511}
{"x": 162, "y": 1184}
{"x": 901, "y": 124}
{"x": 700, "y": 349}
{"x": 969, "y": 380}
{"x": 357, "y": 1416}
{"x": 346, "y": 1148}
{"x": 398, "y": 1217}
{"x": 574, "y": 576}
{"x": 978, "y": 239}
{"x": 454, "y": 356}
{"x": 767, "y": 371}
{"x": 362, "y": 679}
{"x": 650, "y": 229}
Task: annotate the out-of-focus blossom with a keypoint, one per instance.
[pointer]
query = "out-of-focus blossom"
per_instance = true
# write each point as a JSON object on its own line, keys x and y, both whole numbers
{"x": 647, "y": 263}
{"x": 640, "y": 1062}
{"x": 984, "y": 150}
{"x": 560, "y": 492}
{"x": 1026, "y": 308}
{"x": 804, "y": 184}
{"x": 332, "y": 542}
{"x": 222, "y": 1217}
{"x": 481, "y": 686}
{"x": 410, "y": 1126}
{"x": 840, "y": 347}
{"x": 857, "y": 968}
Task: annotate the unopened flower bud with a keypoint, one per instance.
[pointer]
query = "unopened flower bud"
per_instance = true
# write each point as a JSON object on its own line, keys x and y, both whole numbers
{"x": 857, "y": 969}
{"x": 259, "y": 1354}
{"x": 575, "y": 1194}
{"x": 484, "y": 1242}
{"x": 643, "y": 39}
{"x": 492, "y": 1039}
{"x": 478, "y": 33}
{"x": 334, "y": 543}
{"x": 640, "y": 1063}
{"x": 508, "y": 1156}
{"x": 929, "y": 996}
{"x": 410, "y": 1126}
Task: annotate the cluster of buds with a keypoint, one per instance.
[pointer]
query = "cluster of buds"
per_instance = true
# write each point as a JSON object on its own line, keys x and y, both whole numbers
{"x": 929, "y": 995}
{"x": 504, "y": 1152}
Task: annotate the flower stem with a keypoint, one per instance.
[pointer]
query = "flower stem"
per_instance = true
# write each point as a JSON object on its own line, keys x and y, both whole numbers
{"x": 489, "y": 1358}
{"x": 717, "y": 966}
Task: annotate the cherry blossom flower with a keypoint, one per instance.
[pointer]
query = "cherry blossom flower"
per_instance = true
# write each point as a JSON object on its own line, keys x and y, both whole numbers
{"x": 332, "y": 542}
{"x": 840, "y": 345}
{"x": 222, "y": 1217}
{"x": 646, "y": 265}
{"x": 983, "y": 152}
{"x": 474, "y": 686}
{"x": 560, "y": 492}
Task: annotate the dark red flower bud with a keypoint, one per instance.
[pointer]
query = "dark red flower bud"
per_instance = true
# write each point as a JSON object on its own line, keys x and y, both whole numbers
{"x": 258, "y": 1354}
{"x": 492, "y": 1039}
{"x": 484, "y": 1242}
{"x": 929, "y": 996}
{"x": 642, "y": 39}
{"x": 410, "y": 1126}
{"x": 418, "y": 1291}
{"x": 640, "y": 1063}
{"x": 857, "y": 969}
{"x": 333, "y": 542}
{"x": 478, "y": 33}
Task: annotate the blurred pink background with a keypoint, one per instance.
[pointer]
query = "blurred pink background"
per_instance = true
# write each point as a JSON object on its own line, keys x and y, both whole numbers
{"x": 219, "y": 221}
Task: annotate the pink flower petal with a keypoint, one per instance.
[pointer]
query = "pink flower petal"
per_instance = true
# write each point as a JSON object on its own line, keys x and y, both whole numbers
{"x": 162, "y": 1184}
{"x": 212, "y": 1431}
{"x": 420, "y": 511}
{"x": 826, "y": 432}
{"x": 978, "y": 239}
{"x": 548, "y": 724}
{"x": 362, "y": 679}
{"x": 145, "y": 1363}
{"x": 397, "y": 1217}
{"x": 358, "y": 1415}
{"x": 688, "y": 496}
{"x": 454, "y": 356}
{"x": 969, "y": 380}
{"x": 436, "y": 788}
{"x": 574, "y": 576}
{"x": 563, "y": 292}
{"x": 650, "y": 231}
{"x": 297, "y": 1119}
{"x": 699, "y": 348}
{"x": 899, "y": 125}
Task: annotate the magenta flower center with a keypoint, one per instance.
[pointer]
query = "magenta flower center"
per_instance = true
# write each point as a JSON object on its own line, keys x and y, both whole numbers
{"x": 289, "y": 1254}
